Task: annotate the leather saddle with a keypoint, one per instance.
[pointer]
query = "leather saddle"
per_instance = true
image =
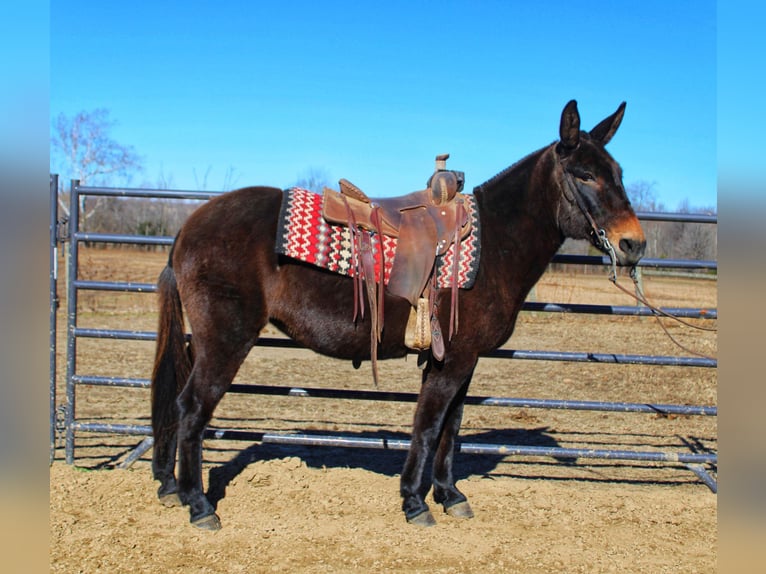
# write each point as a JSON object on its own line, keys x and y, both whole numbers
{"x": 425, "y": 223}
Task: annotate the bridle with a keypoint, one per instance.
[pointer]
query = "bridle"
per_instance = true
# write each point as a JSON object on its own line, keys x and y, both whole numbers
{"x": 597, "y": 234}
{"x": 601, "y": 241}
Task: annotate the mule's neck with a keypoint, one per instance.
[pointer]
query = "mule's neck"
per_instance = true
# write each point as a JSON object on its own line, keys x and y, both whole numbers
{"x": 520, "y": 233}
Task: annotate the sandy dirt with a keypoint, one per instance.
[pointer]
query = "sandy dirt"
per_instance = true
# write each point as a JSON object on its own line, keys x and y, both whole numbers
{"x": 331, "y": 509}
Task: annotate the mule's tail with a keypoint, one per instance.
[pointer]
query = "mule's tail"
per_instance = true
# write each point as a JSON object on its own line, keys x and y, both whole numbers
{"x": 172, "y": 362}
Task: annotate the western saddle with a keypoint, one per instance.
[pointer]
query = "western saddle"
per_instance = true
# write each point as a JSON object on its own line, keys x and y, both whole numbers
{"x": 425, "y": 223}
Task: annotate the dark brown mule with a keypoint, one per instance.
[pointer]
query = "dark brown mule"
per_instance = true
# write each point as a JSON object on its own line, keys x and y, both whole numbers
{"x": 224, "y": 271}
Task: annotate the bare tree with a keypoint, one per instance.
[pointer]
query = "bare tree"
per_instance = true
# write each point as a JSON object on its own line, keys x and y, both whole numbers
{"x": 698, "y": 241}
{"x": 201, "y": 184}
{"x": 163, "y": 181}
{"x": 673, "y": 239}
{"x": 314, "y": 179}
{"x": 87, "y": 152}
{"x": 693, "y": 240}
{"x": 642, "y": 196}
{"x": 230, "y": 178}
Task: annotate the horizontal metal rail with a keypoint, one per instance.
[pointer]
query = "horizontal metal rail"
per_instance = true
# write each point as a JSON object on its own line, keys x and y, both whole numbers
{"x": 126, "y": 286}
{"x": 620, "y": 310}
{"x": 575, "y": 308}
{"x": 597, "y": 260}
{"x": 146, "y": 193}
{"x": 567, "y": 356}
{"x": 204, "y": 195}
{"x": 118, "y": 238}
{"x": 385, "y": 443}
{"x": 603, "y": 260}
{"x": 324, "y": 393}
{"x": 606, "y": 358}
{"x": 677, "y": 217}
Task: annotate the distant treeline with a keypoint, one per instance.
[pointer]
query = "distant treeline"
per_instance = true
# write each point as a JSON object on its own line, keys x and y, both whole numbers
{"x": 134, "y": 216}
{"x": 164, "y": 217}
{"x": 664, "y": 240}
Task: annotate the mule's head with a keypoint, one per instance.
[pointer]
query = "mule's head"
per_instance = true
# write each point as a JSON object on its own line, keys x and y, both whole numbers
{"x": 593, "y": 203}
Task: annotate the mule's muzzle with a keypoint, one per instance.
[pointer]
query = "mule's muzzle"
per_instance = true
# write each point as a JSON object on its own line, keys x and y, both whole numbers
{"x": 627, "y": 240}
{"x": 628, "y": 249}
{"x": 633, "y": 249}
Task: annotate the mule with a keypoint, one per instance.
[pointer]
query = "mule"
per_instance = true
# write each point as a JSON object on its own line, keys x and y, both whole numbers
{"x": 223, "y": 271}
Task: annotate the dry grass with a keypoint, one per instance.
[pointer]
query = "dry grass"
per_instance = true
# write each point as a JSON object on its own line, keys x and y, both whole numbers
{"x": 302, "y": 509}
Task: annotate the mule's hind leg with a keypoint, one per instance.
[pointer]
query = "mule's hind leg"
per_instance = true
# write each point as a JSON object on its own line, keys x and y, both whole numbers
{"x": 212, "y": 374}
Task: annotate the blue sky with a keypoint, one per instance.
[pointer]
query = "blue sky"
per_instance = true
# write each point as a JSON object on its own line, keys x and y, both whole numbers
{"x": 267, "y": 91}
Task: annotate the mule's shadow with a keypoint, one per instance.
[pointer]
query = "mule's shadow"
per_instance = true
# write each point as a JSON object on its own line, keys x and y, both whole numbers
{"x": 383, "y": 461}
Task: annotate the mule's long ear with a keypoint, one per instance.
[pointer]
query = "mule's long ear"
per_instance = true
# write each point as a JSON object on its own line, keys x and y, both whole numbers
{"x": 569, "y": 128}
{"x": 604, "y": 131}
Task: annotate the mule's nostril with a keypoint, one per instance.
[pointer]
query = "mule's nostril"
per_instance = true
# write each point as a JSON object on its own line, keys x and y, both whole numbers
{"x": 633, "y": 247}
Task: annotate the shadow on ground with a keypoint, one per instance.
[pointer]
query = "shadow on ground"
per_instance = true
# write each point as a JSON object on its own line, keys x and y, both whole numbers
{"x": 383, "y": 461}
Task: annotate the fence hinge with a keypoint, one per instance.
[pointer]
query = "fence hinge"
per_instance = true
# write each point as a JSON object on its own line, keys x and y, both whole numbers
{"x": 60, "y": 424}
{"x": 62, "y": 229}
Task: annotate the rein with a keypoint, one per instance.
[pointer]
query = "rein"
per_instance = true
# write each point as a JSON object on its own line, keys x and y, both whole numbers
{"x": 601, "y": 241}
{"x": 656, "y": 311}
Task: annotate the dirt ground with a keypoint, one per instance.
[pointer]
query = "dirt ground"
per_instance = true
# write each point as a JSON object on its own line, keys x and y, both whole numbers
{"x": 332, "y": 509}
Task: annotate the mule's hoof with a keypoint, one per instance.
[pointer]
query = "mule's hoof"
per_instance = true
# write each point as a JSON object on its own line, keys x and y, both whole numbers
{"x": 460, "y": 510}
{"x": 424, "y": 519}
{"x": 209, "y": 522}
{"x": 170, "y": 500}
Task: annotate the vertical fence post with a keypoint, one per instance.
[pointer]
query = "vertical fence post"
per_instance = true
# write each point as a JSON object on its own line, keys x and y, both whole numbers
{"x": 54, "y": 305}
{"x": 74, "y": 225}
{"x": 639, "y": 282}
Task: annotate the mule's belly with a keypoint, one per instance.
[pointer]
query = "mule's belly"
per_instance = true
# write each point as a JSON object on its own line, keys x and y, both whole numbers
{"x": 316, "y": 309}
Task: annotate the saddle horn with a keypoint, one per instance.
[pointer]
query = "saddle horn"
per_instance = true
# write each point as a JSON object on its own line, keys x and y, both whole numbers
{"x": 444, "y": 184}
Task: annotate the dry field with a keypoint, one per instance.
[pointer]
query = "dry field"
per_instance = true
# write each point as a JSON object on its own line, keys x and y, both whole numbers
{"x": 301, "y": 509}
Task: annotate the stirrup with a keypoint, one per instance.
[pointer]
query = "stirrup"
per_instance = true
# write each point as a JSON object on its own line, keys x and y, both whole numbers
{"x": 418, "y": 333}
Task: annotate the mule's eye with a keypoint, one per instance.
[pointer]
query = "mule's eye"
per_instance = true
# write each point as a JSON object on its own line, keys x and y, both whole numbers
{"x": 582, "y": 174}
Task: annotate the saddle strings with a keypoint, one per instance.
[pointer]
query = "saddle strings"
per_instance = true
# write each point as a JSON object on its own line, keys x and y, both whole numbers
{"x": 364, "y": 277}
{"x": 355, "y": 262}
{"x": 460, "y": 220}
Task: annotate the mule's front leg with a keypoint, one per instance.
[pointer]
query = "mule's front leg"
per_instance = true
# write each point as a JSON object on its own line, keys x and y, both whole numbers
{"x": 446, "y": 493}
{"x": 411, "y": 483}
{"x": 442, "y": 391}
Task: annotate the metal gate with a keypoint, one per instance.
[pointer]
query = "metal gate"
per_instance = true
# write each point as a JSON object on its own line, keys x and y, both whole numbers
{"x": 67, "y": 423}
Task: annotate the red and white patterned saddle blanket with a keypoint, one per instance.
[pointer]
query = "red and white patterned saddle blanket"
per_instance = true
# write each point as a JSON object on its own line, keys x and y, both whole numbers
{"x": 303, "y": 234}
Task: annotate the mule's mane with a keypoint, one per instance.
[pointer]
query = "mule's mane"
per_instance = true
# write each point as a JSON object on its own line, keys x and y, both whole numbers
{"x": 495, "y": 179}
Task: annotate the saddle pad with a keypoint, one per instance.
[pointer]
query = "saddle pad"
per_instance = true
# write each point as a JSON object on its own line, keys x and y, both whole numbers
{"x": 303, "y": 234}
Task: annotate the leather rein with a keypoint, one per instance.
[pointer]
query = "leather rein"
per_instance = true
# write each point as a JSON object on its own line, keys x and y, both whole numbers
{"x": 601, "y": 241}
